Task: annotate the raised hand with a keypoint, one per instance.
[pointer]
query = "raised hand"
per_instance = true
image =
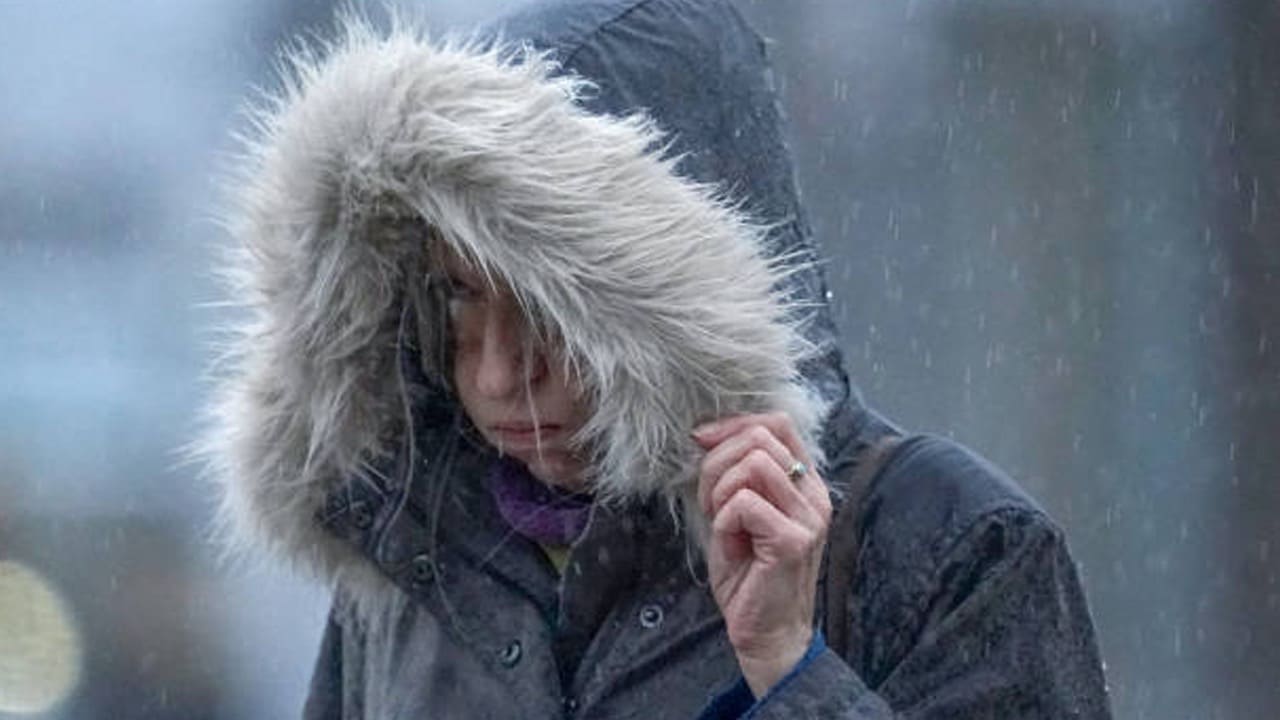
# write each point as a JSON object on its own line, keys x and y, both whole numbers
{"x": 769, "y": 512}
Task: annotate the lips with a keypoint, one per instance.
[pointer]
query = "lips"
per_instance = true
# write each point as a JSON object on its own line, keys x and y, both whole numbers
{"x": 524, "y": 436}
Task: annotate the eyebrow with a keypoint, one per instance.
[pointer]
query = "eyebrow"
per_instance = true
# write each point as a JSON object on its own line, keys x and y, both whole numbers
{"x": 459, "y": 272}
{"x": 457, "y": 278}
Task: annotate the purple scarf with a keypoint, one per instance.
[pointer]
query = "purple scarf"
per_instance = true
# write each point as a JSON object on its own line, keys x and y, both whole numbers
{"x": 537, "y": 511}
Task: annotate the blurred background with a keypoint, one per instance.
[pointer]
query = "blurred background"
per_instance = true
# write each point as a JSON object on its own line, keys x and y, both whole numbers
{"x": 1053, "y": 230}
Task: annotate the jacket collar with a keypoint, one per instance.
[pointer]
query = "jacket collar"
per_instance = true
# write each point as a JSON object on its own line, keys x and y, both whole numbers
{"x": 439, "y": 539}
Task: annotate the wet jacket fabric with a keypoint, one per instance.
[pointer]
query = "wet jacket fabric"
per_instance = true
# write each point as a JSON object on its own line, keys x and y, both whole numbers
{"x": 669, "y": 256}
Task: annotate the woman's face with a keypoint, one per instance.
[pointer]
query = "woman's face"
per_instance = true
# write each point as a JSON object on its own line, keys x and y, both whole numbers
{"x": 515, "y": 395}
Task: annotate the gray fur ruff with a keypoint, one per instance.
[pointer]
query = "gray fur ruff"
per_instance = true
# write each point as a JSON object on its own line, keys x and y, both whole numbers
{"x": 656, "y": 287}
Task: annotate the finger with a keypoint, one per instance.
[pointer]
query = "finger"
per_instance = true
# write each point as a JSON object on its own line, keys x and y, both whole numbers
{"x": 780, "y": 425}
{"x": 758, "y": 472}
{"x": 773, "y": 536}
{"x": 778, "y": 422}
{"x": 730, "y": 451}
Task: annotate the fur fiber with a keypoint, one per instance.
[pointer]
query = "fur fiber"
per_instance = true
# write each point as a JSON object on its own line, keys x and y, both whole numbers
{"x": 655, "y": 287}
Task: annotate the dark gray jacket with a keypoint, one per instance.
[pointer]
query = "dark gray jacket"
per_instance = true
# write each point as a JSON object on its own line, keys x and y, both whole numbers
{"x": 967, "y": 598}
{"x": 341, "y": 450}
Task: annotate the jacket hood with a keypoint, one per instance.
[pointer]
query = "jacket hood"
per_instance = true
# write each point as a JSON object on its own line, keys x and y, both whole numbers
{"x": 701, "y": 73}
{"x": 671, "y": 303}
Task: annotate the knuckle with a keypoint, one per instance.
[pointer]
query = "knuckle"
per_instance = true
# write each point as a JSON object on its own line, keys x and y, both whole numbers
{"x": 736, "y": 472}
{"x": 720, "y": 524}
{"x": 758, "y": 460}
{"x": 797, "y": 544}
{"x": 734, "y": 502}
{"x": 759, "y": 435}
{"x": 823, "y": 504}
{"x": 727, "y": 486}
{"x": 813, "y": 540}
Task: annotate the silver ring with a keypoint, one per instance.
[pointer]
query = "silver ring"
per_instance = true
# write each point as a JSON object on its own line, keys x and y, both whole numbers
{"x": 797, "y": 471}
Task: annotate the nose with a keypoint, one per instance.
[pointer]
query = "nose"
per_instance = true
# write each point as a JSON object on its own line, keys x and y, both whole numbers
{"x": 509, "y": 360}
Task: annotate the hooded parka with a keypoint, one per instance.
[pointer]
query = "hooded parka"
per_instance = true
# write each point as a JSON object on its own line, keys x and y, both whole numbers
{"x": 619, "y": 165}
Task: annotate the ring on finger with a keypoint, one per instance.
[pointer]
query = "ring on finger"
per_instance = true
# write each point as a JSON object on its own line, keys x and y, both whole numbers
{"x": 796, "y": 471}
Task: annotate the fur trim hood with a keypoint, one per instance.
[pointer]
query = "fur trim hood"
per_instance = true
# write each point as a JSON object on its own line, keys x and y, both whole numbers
{"x": 658, "y": 288}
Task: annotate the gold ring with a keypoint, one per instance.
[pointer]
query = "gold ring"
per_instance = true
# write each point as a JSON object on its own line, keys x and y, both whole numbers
{"x": 797, "y": 471}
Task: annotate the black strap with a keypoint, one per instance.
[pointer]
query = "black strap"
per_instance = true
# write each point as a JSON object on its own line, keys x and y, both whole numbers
{"x": 844, "y": 541}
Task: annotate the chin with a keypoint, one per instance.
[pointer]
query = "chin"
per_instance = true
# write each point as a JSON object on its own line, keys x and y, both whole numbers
{"x": 564, "y": 473}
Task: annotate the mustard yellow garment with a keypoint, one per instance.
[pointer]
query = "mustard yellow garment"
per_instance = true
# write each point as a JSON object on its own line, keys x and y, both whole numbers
{"x": 558, "y": 555}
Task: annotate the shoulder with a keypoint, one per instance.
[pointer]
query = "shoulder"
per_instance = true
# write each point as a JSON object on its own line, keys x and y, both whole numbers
{"x": 940, "y": 522}
{"x": 933, "y": 493}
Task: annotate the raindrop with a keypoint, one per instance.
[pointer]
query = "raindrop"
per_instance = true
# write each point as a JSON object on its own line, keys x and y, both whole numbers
{"x": 840, "y": 90}
{"x": 1253, "y": 205}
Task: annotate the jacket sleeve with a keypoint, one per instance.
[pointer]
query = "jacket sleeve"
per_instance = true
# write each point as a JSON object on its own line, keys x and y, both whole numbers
{"x": 325, "y": 696}
{"x": 1005, "y": 633}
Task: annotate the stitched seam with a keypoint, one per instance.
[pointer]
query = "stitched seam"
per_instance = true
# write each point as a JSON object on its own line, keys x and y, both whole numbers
{"x": 569, "y": 58}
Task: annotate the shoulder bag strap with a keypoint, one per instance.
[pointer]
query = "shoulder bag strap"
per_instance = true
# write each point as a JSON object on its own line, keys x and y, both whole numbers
{"x": 844, "y": 541}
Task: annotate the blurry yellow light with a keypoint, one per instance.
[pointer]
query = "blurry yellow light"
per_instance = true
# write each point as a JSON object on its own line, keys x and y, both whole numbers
{"x": 40, "y": 651}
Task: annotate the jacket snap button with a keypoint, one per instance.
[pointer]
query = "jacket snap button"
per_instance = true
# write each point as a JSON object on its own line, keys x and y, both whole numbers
{"x": 511, "y": 654}
{"x": 334, "y": 504}
{"x": 651, "y": 616}
{"x": 422, "y": 570}
{"x": 361, "y": 516}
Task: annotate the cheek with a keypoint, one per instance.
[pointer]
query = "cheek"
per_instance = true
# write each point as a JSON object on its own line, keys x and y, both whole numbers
{"x": 462, "y": 372}
{"x": 571, "y": 397}
{"x": 466, "y": 326}
{"x": 465, "y": 341}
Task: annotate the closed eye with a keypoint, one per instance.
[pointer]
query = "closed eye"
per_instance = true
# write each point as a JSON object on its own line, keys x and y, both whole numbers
{"x": 461, "y": 291}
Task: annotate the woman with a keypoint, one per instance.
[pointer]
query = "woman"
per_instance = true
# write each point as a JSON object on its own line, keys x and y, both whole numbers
{"x": 558, "y": 423}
